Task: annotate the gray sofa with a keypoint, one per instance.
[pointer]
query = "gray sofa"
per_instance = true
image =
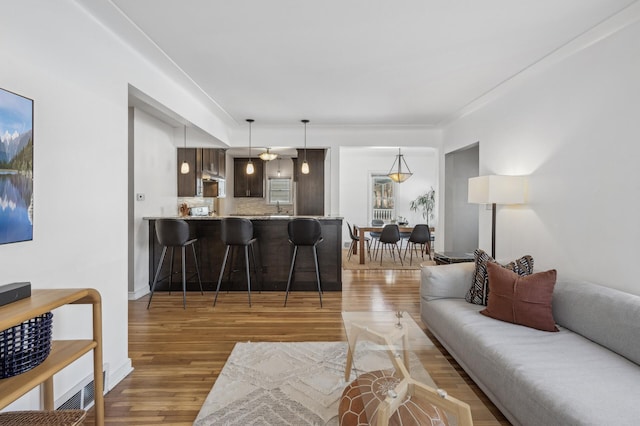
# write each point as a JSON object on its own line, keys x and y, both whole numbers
{"x": 588, "y": 373}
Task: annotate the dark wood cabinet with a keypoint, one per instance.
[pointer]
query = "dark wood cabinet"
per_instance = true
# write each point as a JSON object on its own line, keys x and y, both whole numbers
{"x": 188, "y": 183}
{"x": 245, "y": 185}
{"x": 310, "y": 188}
{"x": 203, "y": 163}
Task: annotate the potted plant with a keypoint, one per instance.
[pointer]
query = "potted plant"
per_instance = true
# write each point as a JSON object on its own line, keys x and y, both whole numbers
{"x": 425, "y": 204}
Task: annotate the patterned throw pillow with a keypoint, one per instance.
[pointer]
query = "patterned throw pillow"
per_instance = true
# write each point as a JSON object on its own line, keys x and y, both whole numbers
{"x": 478, "y": 294}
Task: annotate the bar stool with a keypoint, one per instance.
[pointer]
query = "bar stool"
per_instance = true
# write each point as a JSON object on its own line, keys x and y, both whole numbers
{"x": 304, "y": 232}
{"x": 175, "y": 233}
{"x": 238, "y": 232}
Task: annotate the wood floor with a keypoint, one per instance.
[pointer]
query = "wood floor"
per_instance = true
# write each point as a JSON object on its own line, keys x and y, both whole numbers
{"x": 177, "y": 354}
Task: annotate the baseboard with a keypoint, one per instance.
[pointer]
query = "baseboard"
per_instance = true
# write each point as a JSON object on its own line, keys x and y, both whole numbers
{"x": 138, "y": 293}
{"x": 118, "y": 374}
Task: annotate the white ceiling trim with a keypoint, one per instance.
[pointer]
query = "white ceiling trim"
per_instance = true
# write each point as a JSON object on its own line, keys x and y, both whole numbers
{"x": 608, "y": 27}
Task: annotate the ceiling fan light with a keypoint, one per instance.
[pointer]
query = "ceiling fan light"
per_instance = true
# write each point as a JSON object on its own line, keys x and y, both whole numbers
{"x": 268, "y": 156}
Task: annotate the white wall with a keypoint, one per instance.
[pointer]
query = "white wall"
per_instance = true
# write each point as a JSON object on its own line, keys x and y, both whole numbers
{"x": 78, "y": 75}
{"x": 572, "y": 126}
{"x": 155, "y": 177}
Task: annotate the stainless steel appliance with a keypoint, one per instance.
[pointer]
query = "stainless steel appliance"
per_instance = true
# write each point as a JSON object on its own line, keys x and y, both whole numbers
{"x": 199, "y": 211}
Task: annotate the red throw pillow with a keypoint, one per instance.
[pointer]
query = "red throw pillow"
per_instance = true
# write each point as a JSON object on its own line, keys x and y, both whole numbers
{"x": 524, "y": 300}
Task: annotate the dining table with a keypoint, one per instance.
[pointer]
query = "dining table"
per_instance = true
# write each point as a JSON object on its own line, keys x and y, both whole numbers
{"x": 360, "y": 230}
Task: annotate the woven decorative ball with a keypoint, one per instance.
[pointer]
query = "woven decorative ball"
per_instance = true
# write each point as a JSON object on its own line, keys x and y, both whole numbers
{"x": 362, "y": 397}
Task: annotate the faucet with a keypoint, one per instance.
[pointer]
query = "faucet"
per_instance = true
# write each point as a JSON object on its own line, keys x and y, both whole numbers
{"x": 278, "y": 208}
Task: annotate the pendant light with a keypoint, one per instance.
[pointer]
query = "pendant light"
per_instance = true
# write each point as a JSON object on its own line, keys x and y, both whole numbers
{"x": 396, "y": 174}
{"x": 184, "y": 169}
{"x": 278, "y": 166}
{"x": 250, "y": 164}
{"x": 305, "y": 165}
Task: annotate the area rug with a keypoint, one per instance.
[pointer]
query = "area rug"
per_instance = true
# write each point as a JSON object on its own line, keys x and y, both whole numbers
{"x": 387, "y": 262}
{"x": 297, "y": 384}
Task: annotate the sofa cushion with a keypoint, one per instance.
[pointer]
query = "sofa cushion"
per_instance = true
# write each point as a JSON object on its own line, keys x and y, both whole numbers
{"x": 478, "y": 294}
{"x": 446, "y": 281}
{"x": 523, "y": 300}
{"x": 605, "y": 315}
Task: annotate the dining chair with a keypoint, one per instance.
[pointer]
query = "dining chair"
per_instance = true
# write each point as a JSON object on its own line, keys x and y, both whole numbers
{"x": 421, "y": 235}
{"x": 375, "y": 236}
{"x": 389, "y": 237}
{"x": 355, "y": 240}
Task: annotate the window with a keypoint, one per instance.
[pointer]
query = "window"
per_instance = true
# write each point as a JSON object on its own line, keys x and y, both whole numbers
{"x": 382, "y": 198}
{"x": 280, "y": 191}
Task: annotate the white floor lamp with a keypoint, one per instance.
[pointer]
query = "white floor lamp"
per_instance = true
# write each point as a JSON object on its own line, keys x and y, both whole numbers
{"x": 496, "y": 189}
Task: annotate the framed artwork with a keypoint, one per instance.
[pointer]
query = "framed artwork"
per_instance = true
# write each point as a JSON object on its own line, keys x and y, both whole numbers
{"x": 16, "y": 168}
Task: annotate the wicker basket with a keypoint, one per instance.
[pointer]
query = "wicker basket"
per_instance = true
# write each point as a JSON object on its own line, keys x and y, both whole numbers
{"x": 25, "y": 346}
{"x": 43, "y": 418}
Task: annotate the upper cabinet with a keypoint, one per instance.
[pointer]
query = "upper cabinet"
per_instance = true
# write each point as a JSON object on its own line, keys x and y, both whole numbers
{"x": 245, "y": 185}
{"x": 189, "y": 185}
{"x": 213, "y": 163}
{"x": 310, "y": 187}
{"x": 204, "y": 163}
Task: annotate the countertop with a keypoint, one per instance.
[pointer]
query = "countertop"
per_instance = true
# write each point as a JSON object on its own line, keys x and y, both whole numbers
{"x": 257, "y": 217}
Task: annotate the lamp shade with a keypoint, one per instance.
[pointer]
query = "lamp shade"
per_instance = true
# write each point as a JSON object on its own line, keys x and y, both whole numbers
{"x": 497, "y": 189}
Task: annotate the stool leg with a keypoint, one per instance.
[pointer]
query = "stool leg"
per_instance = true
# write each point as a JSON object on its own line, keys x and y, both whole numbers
{"x": 231, "y": 260}
{"x": 171, "y": 269}
{"x": 255, "y": 270}
{"x": 184, "y": 278}
{"x": 293, "y": 263}
{"x": 155, "y": 279}
{"x": 246, "y": 262}
{"x": 315, "y": 258}
{"x": 195, "y": 259}
{"x": 224, "y": 263}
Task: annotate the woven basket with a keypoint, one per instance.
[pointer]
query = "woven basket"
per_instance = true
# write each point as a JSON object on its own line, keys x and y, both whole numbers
{"x": 43, "y": 418}
{"x": 25, "y": 346}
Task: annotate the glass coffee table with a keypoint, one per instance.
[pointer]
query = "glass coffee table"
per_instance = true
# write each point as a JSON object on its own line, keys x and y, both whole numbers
{"x": 388, "y": 382}
{"x": 376, "y": 337}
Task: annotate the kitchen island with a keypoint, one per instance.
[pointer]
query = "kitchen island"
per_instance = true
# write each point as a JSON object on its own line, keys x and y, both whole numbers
{"x": 273, "y": 256}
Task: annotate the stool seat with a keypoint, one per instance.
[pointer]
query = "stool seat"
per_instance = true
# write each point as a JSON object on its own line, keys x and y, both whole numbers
{"x": 304, "y": 232}
{"x": 175, "y": 233}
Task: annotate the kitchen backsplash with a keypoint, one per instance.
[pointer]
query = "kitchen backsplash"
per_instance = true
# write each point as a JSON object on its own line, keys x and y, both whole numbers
{"x": 198, "y": 202}
{"x": 258, "y": 206}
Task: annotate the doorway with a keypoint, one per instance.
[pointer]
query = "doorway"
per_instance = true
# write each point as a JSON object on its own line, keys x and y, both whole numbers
{"x": 461, "y": 224}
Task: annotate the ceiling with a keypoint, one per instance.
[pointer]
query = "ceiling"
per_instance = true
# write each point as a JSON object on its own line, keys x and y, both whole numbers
{"x": 350, "y": 62}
